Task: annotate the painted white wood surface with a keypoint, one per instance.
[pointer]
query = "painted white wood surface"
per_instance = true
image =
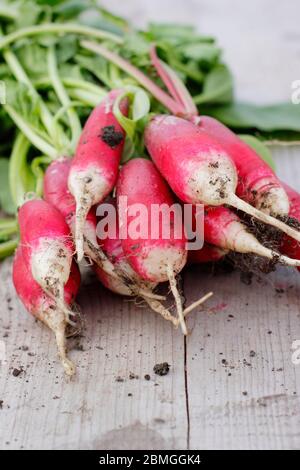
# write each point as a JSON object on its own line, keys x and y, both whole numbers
{"x": 198, "y": 405}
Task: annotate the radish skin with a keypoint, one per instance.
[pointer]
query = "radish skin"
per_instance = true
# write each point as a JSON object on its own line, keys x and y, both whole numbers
{"x": 207, "y": 254}
{"x": 41, "y": 305}
{"x": 197, "y": 168}
{"x": 156, "y": 260}
{"x": 257, "y": 183}
{"x": 94, "y": 168}
{"x": 56, "y": 192}
{"x": 44, "y": 231}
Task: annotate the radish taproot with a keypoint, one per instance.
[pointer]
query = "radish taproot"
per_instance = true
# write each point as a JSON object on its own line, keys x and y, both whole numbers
{"x": 289, "y": 246}
{"x": 94, "y": 169}
{"x": 159, "y": 258}
{"x": 56, "y": 192}
{"x": 197, "y": 167}
{"x": 257, "y": 182}
{"x": 223, "y": 228}
{"x": 45, "y": 233}
{"x": 39, "y": 304}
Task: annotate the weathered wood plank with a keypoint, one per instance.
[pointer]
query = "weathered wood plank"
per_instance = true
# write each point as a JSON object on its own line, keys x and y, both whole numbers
{"x": 240, "y": 399}
{"x": 42, "y": 410}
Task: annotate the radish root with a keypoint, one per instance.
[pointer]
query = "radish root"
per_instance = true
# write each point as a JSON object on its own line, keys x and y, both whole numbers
{"x": 239, "y": 204}
{"x": 174, "y": 289}
{"x": 55, "y": 319}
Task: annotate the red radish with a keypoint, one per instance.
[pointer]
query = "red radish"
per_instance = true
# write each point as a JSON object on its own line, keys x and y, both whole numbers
{"x": 289, "y": 246}
{"x": 44, "y": 231}
{"x": 94, "y": 168}
{"x": 257, "y": 182}
{"x": 154, "y": 259}
{"x": 223, "y": 228}
{"x": 207, "y": 254}
{"x": 130, "y": 284}
{"x": 127, "y": 282}
{"x": 197, "y": 167}
{"x": 56, "y": 192}
{"x": 41, "y": 305}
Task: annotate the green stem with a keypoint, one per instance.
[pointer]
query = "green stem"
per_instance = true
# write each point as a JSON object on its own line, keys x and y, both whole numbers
{"x": 8, "y": 248}
{"x": 8, "y": 232}
{"x": 21, "y": 77}
{"x": 7, "y": 224}
{"x": 17, "y": 163}
{"x": 73, "y": 83}
{"x": 8, "y": 13}
{"x": 163, "y": 97}
{"x": 87, "y": 98}
{"x": 35, "y": 139}
{"x": 58, "y": 28}
{"x": 63, "y": 97}
{"x": 39, "y": 173}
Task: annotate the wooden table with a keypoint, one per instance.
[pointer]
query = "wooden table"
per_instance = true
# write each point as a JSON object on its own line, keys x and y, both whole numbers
{"x": 232, "y": 382}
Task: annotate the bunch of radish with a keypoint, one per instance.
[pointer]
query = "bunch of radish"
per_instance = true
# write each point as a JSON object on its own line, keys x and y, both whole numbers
{"x": 195, "y": 159}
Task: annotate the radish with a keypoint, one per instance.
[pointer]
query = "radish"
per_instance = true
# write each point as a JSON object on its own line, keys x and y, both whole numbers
{"x": 207, "y": 254}
{"x": 41, "y": 305}
{"x": 129, "y": 283}
{"x": 94, "y": 168}
{"x": 197, "y": 168}
{"x": 223, "y": 228}
{"x": 257, "y": 182}
{"x": 289, "y": 246}
{"x": 156, "y": 259}
{"x": 56, "y": 192}
{"x": 50, "y": 248}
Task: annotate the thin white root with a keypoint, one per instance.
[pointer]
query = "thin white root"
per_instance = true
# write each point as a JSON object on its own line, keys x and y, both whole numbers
{"x": 55, "y": 319}
{"x": 173, "y": 285}
{"x": 239, "y": 204}
{"x": 159, "y": 308}
{"x": 97, "y": 255}
{"x": 285, "y": 260}
{"x": 61, "y": 346}
{"x": 149, "y": 294}
{"x": 82, "y": 209}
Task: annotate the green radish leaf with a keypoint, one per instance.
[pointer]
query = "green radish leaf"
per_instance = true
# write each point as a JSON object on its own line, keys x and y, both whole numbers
{"x": 259, "y": 147}
{"x": 28, "y": 14}
{"x": 66, "y": 48}
{"x": 33, "y": 58}
{"x": 277, "y": 117}
{"x": 68, "y": 10}
{"x": 116, "y": 20}
{"x": 204, "y": 54}
{"x": 6, "y": 201}
{"x": 140, "y": 107}
{"x": 218, "y": 86}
